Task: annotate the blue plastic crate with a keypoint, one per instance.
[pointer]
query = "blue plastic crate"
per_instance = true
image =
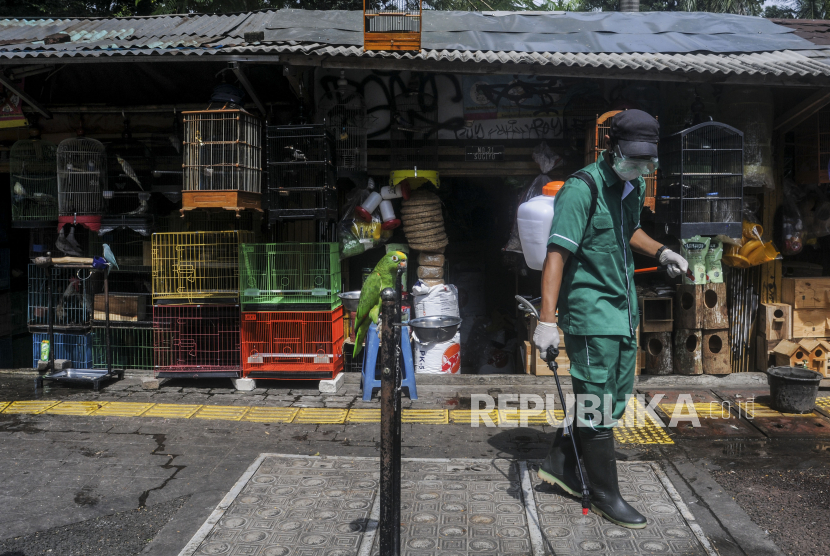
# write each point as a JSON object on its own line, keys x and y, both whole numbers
{"x": 75, "y": 347}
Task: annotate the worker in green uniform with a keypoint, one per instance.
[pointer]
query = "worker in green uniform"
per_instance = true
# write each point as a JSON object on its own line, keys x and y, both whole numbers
{"x": 589, "y": 274}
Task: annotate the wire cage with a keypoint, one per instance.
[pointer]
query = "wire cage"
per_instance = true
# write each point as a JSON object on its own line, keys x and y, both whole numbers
{"x": 392, "y": 24}
{"x": 343, "y": 112}
{"x": 193, "y": 267}
{"x": 133, "y": 251}
{"x": 414, "y": 131}
{"x": 302, "y": 231}
{"x": 595, "y": 145}
{"x": 289, "y": 276}
{"x": 76, "y": 241}
{"x": 34, "y": 181}
{"x": 292, "y": 345}
{"x": 82, "y": 176}
{"x": 72, "y": 298}
{"x": 129, "y": 174}
{"x": 74, "y": 347}
{"x": 222, "y": 160}
{"x": 812, "y": 149}
{"x": 700, "y": 183}
{"x": 301, "y": 172}
{"x": 209, "y": 221}
{"x": 196, "y": 339}
{"x": 131, "y": 347}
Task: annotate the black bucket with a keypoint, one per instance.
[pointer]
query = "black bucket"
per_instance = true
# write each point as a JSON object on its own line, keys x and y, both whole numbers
{"x": 793, "y": 389}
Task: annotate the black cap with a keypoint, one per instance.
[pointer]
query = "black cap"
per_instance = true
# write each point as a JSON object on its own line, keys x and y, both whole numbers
{"x": 635, "y": 132}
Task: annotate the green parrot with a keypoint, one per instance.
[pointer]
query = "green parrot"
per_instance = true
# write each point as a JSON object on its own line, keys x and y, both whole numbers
{"x": 383, "y": 276}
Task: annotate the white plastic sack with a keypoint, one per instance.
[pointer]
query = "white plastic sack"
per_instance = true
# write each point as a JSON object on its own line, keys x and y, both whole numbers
{"x": 438, "y": 359}
{"x": 435, "y": 301}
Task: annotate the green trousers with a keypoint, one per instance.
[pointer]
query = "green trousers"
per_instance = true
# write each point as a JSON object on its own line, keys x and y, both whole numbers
{"x": 602, "y": 374}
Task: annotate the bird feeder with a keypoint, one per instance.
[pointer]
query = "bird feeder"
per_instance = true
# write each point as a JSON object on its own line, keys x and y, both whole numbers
{"x": 222, "y": 160}
{"x": 392, "y": 24}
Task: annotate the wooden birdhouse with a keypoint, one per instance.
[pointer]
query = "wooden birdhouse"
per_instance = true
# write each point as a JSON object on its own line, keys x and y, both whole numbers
{"x": 808, "y": 352}
{"x": 392, "y": 24}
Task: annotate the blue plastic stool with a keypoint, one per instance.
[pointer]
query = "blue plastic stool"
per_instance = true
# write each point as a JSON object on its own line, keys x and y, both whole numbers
{"x": 370, "y": 358}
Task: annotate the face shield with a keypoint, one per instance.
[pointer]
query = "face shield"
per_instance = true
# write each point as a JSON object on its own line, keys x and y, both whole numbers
{"x": 628, "y": 168}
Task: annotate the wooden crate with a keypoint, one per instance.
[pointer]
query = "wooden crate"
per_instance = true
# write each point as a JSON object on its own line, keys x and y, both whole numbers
{"x": 657, "y": 352}
{"x": 775, "y": 321}
{"x": 701, "y": 307}
{"x": 229, "y": 200}
{"x": 123, "y": 307}
{"x": 656, "y": 314}
{"x": 810, "y": 323}
{"x": 806, "y": 293}
{"x": 535, "y": 365}
{"x": 688, "y": 352}
{"x": 716, "y": 352}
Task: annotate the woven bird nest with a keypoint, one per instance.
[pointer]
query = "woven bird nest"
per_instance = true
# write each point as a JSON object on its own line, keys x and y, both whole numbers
{"x": 423, "y": 222}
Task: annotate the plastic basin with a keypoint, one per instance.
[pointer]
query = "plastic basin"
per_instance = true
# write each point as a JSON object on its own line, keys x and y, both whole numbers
{"x": 793, "y": 389}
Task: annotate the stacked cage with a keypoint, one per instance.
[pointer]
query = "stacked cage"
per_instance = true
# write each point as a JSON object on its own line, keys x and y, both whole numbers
{"x": 222, "y": 160}
{"x": 700, "y": 181}
{"x": 302, "y": 180}
{"x": 414, "y": 131}
{"x": 343, "y": 112}
{"x": 34, "y": 180}
{"x": 595, "y": 145}
{"x": 292, "y": 318}
{"x": 82, "y": 180}
{"x": 392, "y": 24}
{"x": 195, "y": 284}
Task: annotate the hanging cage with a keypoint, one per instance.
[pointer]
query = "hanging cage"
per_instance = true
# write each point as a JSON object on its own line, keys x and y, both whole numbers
{"x": 343, "y": 112}
{"x": 595, "y": 145}
{"x": 700, "y": 184}
{"x": 82, "y": 177}
{"x": 392, "y": 24}
{"x": 34, "y": 182}
{"x": 414, "y": 131}
{"x": 129, "y": 178}
{"x": 222, "y": 160}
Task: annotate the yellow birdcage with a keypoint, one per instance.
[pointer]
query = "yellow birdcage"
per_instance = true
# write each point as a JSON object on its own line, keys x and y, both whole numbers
{"x": 197, "y": 267}
{"x": 595, "y": 144}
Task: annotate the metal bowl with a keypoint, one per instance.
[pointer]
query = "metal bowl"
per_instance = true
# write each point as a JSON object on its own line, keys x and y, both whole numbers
{"x": 435, "y": 329}
{"x": 350, "y": 300}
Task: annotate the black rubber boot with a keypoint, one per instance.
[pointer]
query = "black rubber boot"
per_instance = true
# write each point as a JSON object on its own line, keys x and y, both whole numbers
{"x": 559, "y": 468}
{"x": 600, "y": 464}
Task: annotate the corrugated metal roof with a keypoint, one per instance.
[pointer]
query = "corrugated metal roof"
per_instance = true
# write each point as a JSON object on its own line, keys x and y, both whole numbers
{"x": 338, "y": 34}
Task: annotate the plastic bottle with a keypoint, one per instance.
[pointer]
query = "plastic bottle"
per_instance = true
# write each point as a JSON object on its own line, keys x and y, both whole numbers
{"x": 44, "y": 350}
{"x": 534, "y": 219}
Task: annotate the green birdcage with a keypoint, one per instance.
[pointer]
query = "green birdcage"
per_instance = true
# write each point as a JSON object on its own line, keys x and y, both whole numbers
{"x": 289, "y": 276}
{"x": 131, "y": 345}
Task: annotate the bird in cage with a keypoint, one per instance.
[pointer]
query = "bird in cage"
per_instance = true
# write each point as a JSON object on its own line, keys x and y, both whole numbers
{"x": 73, "y": 289}
{"x": 294, "y": 155}
{"x": 69, "y": 245}
{"x": 110, "y": 256}
{"x": 128, "y": 170}
{"x": 19, "y": 192}
{"x": 142, "y": 208}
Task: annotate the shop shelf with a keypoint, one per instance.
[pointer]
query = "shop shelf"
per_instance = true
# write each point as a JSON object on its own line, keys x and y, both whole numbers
{"x": 287, "y": 276}
{"x": 75, "y": 347}
{"x": 292, "y": 345}
{"x": 196, "y": 340}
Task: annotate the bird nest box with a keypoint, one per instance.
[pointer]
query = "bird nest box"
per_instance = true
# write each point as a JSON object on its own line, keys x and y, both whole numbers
{"x": 392, "y": 24}
{"x": 222, "y": 160}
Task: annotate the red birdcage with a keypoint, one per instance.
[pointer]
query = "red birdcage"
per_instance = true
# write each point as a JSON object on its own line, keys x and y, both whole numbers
{"x": 196, "y": 340}
{"x": 292, "y": 345}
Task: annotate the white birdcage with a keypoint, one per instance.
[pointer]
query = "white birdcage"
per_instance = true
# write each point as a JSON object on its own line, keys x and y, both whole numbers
{"x": 82, "y": 176}
{"x": 414, "y": 131}
{"x": 343, "y": 111}
{"x": 34, "y": 181}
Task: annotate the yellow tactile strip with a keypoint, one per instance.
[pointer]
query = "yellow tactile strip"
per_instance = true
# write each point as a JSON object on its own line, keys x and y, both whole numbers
{"x": 627, "y": 431}
{"x": 702, "y": 410}
{"x": 647, "y": 431}
{"x": 754, "y": 409}
{"x": 823, "y": 402}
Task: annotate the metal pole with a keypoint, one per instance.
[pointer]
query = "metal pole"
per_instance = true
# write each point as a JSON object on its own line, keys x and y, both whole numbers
{"x": 51, "y": 317}
{"x": 107, "y": 311}
{"x": 390, "y": 499}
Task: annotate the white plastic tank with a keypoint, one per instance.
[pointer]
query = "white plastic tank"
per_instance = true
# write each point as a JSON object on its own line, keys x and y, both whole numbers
{"x": 534, "y": 219}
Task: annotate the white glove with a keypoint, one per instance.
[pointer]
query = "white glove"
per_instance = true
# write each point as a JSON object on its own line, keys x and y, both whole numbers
{"x": 674, "y": 263}
{"x": 545, "y": 336}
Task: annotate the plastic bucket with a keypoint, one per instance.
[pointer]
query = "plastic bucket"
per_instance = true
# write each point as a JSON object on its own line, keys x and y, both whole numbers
{"x": 793, "y": 389}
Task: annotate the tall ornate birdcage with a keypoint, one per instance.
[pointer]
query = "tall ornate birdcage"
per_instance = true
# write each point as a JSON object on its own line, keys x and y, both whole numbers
{"x": 301, "y": 172}
{"x": 222, "y": 160}
{"x": 82, "y": 178}
{"x": 700, "y": 183}
{"x": 414, "y": 131}
{"x": 343, "y": 112}
{"x": 34, "y": 182}
{"x": 595, "y": 144}
{"x": 129, "y": 179}
{"x": 392, "y": 24}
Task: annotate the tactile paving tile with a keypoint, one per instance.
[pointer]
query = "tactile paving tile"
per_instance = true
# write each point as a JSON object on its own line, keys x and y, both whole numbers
{"x": 76, "y": 408}
{"x": 271, "y": 414}
{"x": 363, "y": 416}
{"x": 567, "y": 532}
{"x": 3, "y": 406}
{"x": 466, "y": 416}
{"x": 321, "y": 416}
{"x": 425, "y": 416}
{"x": 752, "y": 410}
{"x": 123, "y": 409}
{"x": 529, "y": 416}
{"x": 32, "y": 407}
{"x": 172, "y": 411}
{"x": 703, "y": 410}
{"x": 298, "y": 507}
{"x": 823, "y": 402}
{"x": 221, "y": 412}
